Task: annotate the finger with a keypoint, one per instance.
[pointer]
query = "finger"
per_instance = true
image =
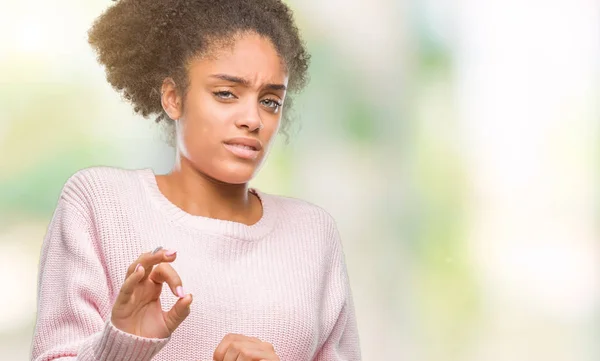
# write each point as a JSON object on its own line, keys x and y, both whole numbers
{"x": 232, "y": 354}
{"x": 246, "y": 351}
{"x": 180, "y": 310}
{"x": 164, "y": 272}
{"x": 267, "y": 346}
{"x": 219, "y": 354}
{"x": 228, "y": 341}
{"x": 270, "y": 350}
{"x": 130, "y": 283}
{"x": 150, "y": 259}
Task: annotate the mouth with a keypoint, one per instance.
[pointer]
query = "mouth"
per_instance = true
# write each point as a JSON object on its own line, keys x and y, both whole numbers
{"x": 244, "y": 148}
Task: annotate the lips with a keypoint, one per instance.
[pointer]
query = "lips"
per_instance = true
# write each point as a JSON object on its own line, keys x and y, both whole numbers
{"x": 246, "y": 148}
{"x": 241, "y": 146}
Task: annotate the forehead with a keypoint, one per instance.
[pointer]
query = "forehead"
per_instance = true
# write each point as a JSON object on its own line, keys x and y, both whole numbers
{"x": 249, "y": 56}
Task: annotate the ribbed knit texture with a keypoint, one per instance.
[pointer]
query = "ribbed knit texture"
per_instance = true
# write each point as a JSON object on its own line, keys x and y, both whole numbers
{"x": 283, "y": 279}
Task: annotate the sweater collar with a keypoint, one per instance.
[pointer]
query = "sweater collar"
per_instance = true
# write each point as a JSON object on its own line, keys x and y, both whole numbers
{"x": 213, "y": 226}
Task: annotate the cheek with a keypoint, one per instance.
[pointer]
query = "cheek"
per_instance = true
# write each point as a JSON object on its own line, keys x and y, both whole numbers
{"x": 269, "y": 132}
{"x": 271, "y": 127}
{"x": 207, "y": 124}
{"x": 202, "y": 119}
{"x": 199, "y": 137}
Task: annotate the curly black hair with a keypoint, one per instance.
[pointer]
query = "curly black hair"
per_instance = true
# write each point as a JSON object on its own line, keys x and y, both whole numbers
{"x": 142, "y": 42}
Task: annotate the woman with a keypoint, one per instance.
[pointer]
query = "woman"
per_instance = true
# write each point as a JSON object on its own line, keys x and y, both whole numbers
{"x": 267, "y": 273}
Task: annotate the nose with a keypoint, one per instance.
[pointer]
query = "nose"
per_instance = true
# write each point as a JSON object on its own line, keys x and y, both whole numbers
{"x": 250, "y": 118}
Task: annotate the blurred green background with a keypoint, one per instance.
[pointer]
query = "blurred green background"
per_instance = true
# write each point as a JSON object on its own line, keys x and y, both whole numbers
{"x": 455, "y": 143}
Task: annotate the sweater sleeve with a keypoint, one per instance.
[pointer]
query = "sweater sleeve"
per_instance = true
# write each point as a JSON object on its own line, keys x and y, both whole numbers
{"x": 342, "y": 344}
{"x": 73, "y": 302}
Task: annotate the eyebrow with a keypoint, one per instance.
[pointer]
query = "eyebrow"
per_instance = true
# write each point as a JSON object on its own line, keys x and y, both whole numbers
{"x": 245, "y": 82}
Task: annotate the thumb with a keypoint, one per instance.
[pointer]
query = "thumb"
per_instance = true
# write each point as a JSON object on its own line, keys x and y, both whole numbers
{"x": 180, "y": 310}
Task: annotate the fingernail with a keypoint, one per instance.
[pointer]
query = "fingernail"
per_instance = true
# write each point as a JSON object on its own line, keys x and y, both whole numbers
{"x": 179, "y": 291}
{"x": 157, "y": 249}
{"x": 137, "y": 267}
{"x": 170, "y": 253}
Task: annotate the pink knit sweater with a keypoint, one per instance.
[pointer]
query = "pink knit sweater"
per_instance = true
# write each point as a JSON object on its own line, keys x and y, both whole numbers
{"x": 283, "y": 279}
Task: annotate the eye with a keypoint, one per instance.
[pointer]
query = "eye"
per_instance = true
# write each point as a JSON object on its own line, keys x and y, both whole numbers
{"x": 271, "y": 103}
{"x": 223, "y": 94}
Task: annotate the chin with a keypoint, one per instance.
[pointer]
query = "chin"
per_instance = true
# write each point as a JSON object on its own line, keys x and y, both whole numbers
{"x": 234, "y": 173}
{"x": 234, "y": 179}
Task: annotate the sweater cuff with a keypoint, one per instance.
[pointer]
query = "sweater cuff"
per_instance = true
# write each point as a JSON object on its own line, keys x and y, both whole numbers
{"x": 115, "y": 345}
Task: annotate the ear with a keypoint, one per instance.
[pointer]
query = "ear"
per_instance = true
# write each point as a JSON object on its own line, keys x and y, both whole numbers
{"x": 171, "y": 99}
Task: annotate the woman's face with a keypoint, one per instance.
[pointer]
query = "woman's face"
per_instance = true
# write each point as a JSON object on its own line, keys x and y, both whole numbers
{"x": 232, "y": 109}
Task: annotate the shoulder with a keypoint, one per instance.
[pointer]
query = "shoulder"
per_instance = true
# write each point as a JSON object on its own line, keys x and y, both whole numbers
{"x": 101, "y": 174}
{"x": 98, "y": 178}
{"x": 299, "y": 211}
{"x": 89, "y": 184}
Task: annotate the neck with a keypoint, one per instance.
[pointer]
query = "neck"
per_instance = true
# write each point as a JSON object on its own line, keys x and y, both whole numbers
{"x": 198, "y": 194}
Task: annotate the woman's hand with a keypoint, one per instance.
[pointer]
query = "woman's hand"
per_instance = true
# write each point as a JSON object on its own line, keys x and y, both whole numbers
{"x": 235, "y": 347}
{"x": 137, "y": 309}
